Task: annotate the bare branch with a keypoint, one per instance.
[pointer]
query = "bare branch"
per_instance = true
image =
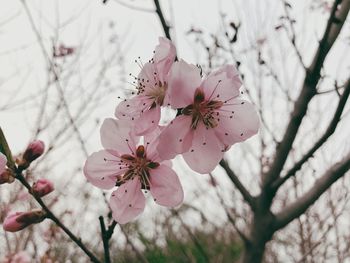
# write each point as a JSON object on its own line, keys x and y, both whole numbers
{"x": 245, "y": 193}
{"x": 335, "y": 23}
{"x": 165, "y": 25}
{"x": 321, "y": 185}
{"x": 293, "y": 34}
{"x": 329, "y": 131}
{"x": 59, "y": 88}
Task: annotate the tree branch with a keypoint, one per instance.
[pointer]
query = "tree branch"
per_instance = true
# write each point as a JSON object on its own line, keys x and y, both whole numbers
{"x": 106, "y": 236}
{"x": 308, "y": 91}
{"x": 321, "y": 185}
{"x": 244, "y": 192}
{"x": 329, "y": 131}
{"x": 49, "y": 213}
{"x": 165, "y": 25}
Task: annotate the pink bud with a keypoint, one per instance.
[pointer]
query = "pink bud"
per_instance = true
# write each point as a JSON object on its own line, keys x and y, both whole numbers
{"x": 18, "y": 220}
{"x": 34, "y": 150}
{"x": 7, "y": 177}
{"x": 42, "y": 187}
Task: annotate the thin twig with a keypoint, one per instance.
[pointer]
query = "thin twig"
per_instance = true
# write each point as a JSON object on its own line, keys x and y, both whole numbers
{"x": 107, "y": 257}
{"x": 244, "y": 192}
{"x": 308, "y": 91}
{"x": 49, "y": 213}
{"x": 165, "y": 25}
{"x": 52, "y": 66}
{"x": 136, "y": 8}
{"x": 106, "y": 236}
{"x": 51, "y": 216}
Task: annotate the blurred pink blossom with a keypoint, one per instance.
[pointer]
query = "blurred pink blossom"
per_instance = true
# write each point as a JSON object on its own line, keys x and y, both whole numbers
{"x": 213, "y": 116}
{"x": 62, "y": 51}
{"x": 42, "y": 187}
{"x": 144, "y": 108}
{"x": 23, "y": 196}
{"x": 132, "y": 167}
{"x": 19, "y": 257}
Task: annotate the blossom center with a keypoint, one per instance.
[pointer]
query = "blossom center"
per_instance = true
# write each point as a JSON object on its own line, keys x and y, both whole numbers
{"x": 157, "y": 93}
{"x": 203, "y": 110}
{"x": 138, "y": 167}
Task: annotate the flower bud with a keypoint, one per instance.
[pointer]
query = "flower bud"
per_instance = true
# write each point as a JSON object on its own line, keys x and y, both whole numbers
{"x": 7, "y": 177}
{"x": 34, "y": 150}
{"x": 42, "y": 187}
{"x": 20, "y": 220}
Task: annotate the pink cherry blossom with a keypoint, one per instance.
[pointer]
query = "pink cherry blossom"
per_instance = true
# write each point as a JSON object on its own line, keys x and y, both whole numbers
{"x": 42, "y": 187}
{"x": 3, "y": 162}
{"x": 132, "y": 167}
{"x": 151, "y": 93}
{"x": 213, "y": 116}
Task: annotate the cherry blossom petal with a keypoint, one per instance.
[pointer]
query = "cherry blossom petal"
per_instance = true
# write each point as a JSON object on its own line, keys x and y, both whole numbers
{"x": 222, "y": 84}
{"x": 183, "y": 80}
{"x": 116, "y": 135}
{"x": 151, "y": 141}
{"x": 148, "y": 77}
{"x": 131, "y": 109}
{"x": 102, "y": 168}
{"x": 206, "y": 151}
{"x": 166, "y": 188}
{"x": 239, "y": 122}
{"x": 127, "y": 202}
{"x": 3, "y": 162}
{"x": 164, "y": 57}
{"x": 176, "y": 138}
{"x": 148, "y": 121}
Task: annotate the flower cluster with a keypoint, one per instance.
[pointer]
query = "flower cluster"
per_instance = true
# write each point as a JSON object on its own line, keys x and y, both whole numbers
{"x": 16, "y": 221}
{"x": 211, "y": 117}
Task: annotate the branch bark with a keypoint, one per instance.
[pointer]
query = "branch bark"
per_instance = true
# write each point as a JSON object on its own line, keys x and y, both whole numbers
{"x": 233, "y": 177}
{"x": 335, "y": 23}
{"x": 49, "y": 213}
{"x": 106, "y": 234}
{"x": 298, "y": 207}
{"x": 165, "y": 25}
{"x": 329, "y": 131}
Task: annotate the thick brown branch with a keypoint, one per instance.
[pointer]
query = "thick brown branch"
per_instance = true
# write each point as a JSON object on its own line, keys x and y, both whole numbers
{"x": 335, "y": 23}
{"x": 244, "y": 192}
{"x": 106, "y": 236}
{"x": 321, "y": 185}
{"x": 329, "y": 131}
